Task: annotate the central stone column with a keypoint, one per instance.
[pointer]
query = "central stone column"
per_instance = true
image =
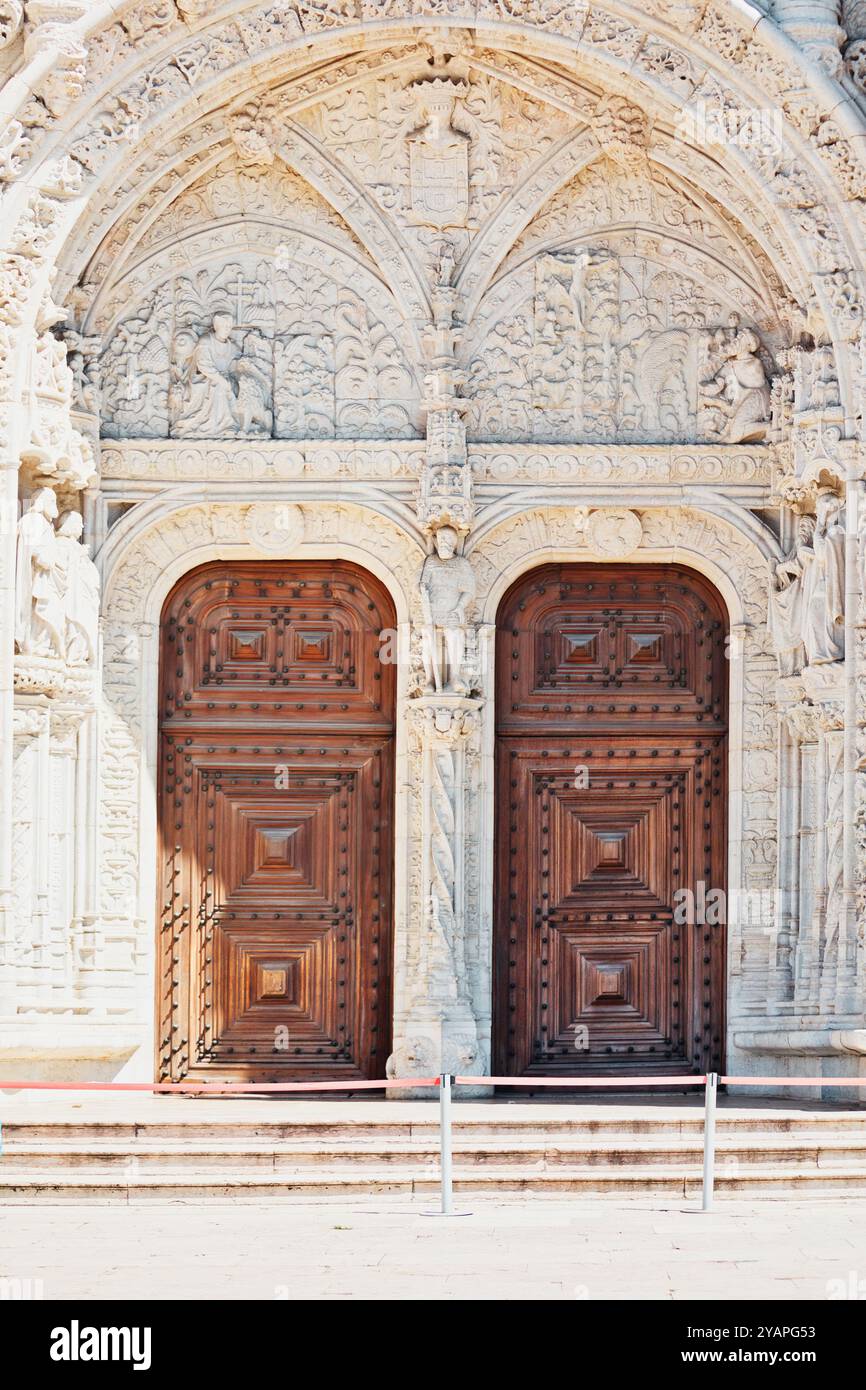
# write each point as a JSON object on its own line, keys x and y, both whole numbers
{"x": 436, "y": 1026}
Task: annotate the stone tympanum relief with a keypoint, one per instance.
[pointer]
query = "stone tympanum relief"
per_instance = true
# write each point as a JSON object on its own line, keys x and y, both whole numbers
{"x": 735, "y": 401}
{"x": 259, "y": 347}
{"x": 615, "y": 343}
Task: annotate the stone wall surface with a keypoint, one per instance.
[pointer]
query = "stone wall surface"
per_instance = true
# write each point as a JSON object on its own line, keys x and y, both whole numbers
{"x": 450, "y": 289}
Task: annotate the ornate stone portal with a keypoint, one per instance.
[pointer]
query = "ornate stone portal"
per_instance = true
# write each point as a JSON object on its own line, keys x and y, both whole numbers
{"x": 422, "y": 301}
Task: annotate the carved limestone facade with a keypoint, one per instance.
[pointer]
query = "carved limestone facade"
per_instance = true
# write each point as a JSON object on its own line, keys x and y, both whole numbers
{"x": 388, "y": 281}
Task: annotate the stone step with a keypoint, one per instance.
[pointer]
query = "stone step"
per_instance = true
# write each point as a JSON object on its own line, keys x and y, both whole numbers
{"x": 117, "y": 1150}
{"x": 535, "y": 1152}
{"x": 636, "y": 1181}
{"x": 810, "y": 1125}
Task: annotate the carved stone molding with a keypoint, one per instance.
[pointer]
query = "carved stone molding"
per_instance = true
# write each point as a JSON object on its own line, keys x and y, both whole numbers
{"x": 276, "y": 526}
{"x": 611, "y": 533}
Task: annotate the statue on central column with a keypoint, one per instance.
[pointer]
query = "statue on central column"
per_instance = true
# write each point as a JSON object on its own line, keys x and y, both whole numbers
{"x": 447, "y": 587}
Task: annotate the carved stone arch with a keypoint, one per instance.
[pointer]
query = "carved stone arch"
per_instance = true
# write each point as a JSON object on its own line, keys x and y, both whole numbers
{"x": 746, "y": 47}
{"x": 146, "y": 553}
{"x": 517, "y": 210}
{"x": 173, "y": 146}
{"x": 761, "y": 263}
{"x": 522, "y": 204}
{"x": 760, "y": 547}
{"x": 382, "y": 246}
{"x": 735, "y": 560}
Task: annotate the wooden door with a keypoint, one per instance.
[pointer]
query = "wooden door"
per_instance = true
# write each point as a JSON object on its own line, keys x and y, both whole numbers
{"x": 276, "y": 794}
{"x": 611, "y": 758}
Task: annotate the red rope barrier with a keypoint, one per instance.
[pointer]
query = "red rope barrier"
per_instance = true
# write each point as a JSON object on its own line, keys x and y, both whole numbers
{"x": 526, "y": 1082}
{"x": 793, "y": 1080}
{"x": 530, "y": 1082}
{"x": 215, "y": 1087}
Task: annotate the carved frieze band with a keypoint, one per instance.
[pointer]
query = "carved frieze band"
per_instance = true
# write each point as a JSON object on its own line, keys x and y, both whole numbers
{"x": 170, "y": 461}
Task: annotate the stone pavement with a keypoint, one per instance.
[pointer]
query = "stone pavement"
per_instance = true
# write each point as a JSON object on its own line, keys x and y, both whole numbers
{"x": 381, "y": 1248}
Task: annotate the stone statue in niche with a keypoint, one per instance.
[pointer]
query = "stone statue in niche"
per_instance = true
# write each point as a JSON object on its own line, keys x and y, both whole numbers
{"x": 739, "y": 391}
{"x": 78, "y": 583}
{"x": 447, "y": 586}
{"x": 39, "y": 602}
{"x": 824, "y": 583}
{"x": 223, "y": 391}
{"x": 786, "y": 606}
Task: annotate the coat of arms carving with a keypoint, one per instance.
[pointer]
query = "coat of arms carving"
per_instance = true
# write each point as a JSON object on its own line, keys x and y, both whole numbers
{"x": 439, "y": 158}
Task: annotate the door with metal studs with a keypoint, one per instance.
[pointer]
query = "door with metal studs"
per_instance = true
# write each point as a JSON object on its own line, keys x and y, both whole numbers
{"x": 276, "y": 791}
{"x": 610, "y": 798}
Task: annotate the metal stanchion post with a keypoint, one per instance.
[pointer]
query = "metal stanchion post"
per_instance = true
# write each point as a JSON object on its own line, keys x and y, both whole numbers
{"x": 445, "y": 1142}
{"x": 709, "y": 1139}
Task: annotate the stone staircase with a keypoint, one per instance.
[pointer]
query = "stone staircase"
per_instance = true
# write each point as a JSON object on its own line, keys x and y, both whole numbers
{"x": 170, "y": 1149}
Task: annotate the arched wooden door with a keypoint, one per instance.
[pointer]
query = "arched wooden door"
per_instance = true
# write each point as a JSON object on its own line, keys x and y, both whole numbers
{"x": 611, "y": 759}
{"x": 276, "y": 799}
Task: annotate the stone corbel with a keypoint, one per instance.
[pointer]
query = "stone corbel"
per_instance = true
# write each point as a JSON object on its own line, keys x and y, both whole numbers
{"x": 797, "y": 712}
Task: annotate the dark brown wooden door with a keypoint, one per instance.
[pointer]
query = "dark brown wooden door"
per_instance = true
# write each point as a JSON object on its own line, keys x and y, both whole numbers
{"x": 611, "y": 757}
{"x": 276, "y": 795}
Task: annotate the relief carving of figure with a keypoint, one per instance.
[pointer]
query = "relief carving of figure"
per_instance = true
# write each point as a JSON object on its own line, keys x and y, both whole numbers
{"x": 824, "y": 585}
{"x": 224, "y": 393}
{"x": 78, "y": 583}
{"x": 786, "y": 606}
{"x": 740, "y": 390}
{"x": 39, "y": 605}
{"x": 447, "y": 586}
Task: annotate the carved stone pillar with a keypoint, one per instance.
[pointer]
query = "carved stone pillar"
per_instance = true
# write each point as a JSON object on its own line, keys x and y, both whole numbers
{"x": 435, "y": 1024}
{"x": 802, "y": 821}
{"x": 837, "y": 963}
{"x": 814, "y": 25}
